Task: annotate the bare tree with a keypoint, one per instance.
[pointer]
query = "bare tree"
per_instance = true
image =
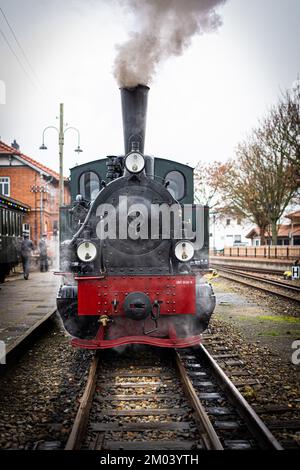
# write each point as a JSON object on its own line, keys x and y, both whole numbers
{"x": 284, "y": 122}
{"x": 208, "y": 180}
{"x": 242, "y": 187}
{"x": 265, "y": 175}
{"x": 278, "y": 150}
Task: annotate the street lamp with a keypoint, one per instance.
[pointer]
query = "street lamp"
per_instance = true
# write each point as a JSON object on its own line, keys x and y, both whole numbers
{"x": 61, "y": 134}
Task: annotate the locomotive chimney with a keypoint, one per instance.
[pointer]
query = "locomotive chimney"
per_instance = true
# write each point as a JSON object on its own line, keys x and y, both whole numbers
{"x": 134, "y": 112}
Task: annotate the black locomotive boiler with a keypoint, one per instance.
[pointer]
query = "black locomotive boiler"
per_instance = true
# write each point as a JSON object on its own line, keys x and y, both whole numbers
{"x": 131, "y": 262}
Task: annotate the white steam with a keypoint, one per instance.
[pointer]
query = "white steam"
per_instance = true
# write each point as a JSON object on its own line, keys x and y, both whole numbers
{"x": 164, "y": 29}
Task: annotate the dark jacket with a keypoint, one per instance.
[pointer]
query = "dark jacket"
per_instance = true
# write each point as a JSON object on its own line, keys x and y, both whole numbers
{"x": 43, "y": 247}
{"x": 26, "y": 247}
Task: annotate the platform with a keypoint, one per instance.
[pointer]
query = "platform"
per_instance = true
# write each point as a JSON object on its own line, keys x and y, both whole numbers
{"x": 25, "y": 304}
{"x": 279, "y": 265}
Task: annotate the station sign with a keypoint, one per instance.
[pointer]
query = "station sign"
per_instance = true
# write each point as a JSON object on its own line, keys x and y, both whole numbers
{"x": 296, "y": 272}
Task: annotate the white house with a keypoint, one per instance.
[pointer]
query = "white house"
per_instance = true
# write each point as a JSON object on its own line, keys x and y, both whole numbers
{"x": 227, "y": 230}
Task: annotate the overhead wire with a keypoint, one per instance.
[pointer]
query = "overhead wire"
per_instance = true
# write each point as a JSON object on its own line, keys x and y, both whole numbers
{"x": 12, "y": 50}
{"x": 19, "y": 45}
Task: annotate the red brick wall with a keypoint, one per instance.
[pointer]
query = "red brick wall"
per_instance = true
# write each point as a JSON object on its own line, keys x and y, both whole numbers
{"x": 22, "y": 179}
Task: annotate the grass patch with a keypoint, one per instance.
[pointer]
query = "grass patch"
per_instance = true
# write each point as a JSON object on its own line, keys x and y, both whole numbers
{"x": 278, "y": 318}
{"x": 293, "y": 334}
{"x": 269, "y": 333}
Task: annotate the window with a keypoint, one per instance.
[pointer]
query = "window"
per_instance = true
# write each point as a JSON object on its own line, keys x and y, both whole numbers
{"x": 228, "y": 221}
{"x": 176, "y": 184}
{"x": 89, "y": 185}
{"x": 5, "y": 185}
{"x": 237, "y": 238}
{"x": 26, "y": 229}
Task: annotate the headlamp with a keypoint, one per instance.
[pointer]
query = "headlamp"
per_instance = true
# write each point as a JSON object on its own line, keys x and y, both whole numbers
{"x": 184, "y": 251}
{"x": 87, "y": 251}
{"x": 135, "y": 162}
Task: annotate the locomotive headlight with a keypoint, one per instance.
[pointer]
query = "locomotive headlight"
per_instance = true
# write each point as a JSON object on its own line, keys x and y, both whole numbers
{"x": 135, "y": 162}
{"x": 184, "y": 251}
{"x": 87, "y": 251}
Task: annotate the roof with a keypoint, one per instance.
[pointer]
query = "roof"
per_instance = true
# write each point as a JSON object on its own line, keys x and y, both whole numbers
{"x": 284, "y": 230}
{"x": 294, "y": 216}
{"x": 6, "y": 149}
{"x": 11, "y": 203}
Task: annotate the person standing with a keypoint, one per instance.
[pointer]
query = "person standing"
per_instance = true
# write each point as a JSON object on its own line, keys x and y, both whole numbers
{"x": 43, "y": 253}
{"x": 26, "y": 252}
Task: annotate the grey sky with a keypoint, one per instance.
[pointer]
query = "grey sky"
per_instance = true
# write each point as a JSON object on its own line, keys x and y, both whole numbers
{"x": 200, "y": 104}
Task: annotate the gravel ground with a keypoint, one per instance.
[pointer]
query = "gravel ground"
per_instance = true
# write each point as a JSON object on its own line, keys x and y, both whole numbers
{"x": 243, "y": 319}
{"x": 263, "y": 319}
{"x": 40, "y": 394}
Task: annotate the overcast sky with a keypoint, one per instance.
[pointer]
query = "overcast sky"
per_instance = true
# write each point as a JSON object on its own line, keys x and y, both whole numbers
{"x": 200, "y": 104}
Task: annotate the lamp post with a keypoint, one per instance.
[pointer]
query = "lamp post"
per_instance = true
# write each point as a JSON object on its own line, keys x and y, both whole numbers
{"x": 61, "y": 135}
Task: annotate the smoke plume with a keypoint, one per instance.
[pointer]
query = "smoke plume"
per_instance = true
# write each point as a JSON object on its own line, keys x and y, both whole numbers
{"x": 164, "y": 28}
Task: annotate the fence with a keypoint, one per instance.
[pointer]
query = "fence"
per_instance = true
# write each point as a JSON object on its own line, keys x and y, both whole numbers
{"x": 274, "y": 252}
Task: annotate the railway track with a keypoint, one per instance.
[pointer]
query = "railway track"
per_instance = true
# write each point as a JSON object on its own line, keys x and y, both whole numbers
{"x": 281, "y": 417}
{"x": 273, "y": 286}
{"x": 247, "y": 269}
{"x": 152, "y": 399}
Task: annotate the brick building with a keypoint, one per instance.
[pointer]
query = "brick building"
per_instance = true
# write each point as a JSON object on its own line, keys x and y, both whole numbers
{"x": 288, "y": 234}
{"x": 33, "y": 184}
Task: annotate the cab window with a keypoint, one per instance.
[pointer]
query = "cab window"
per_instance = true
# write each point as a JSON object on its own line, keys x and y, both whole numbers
{"x": 176, "y": 184}
{"x": 89, "y": 185}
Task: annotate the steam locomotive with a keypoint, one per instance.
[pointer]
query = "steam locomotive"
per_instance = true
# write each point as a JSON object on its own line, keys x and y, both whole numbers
{"x": 134, "y": 247}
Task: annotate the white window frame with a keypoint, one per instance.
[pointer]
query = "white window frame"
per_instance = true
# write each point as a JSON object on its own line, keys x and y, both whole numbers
{"x": 4, "y": 180}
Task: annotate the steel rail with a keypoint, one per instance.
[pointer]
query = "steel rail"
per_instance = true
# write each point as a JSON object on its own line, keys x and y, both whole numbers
{"x": 208, "y": 433}
{"x": 274, "y": 282}
{"x": 259, "y": 430}
{"x": 261, "y": 287}
{"x": 245, "y": 268}
{"x": 209, "y": 436}
{"x": 81, "y": 421}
